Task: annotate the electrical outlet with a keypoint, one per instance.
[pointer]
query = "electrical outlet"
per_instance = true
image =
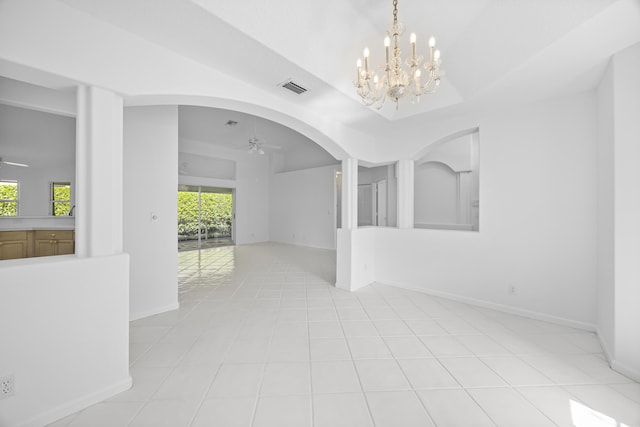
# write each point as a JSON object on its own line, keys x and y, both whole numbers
{"x": 7, "y": 386}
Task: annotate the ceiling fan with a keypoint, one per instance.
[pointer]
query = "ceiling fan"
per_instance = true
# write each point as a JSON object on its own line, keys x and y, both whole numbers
{"x": 256, "y": 146}
{"x": 4, "y": 162}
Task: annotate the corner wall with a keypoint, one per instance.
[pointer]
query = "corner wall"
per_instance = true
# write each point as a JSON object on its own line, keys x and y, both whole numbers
{"x": 627, "y": 211}
{"x": 619, "y": 210}
{"x": 537, "y": 213}
{"x": 151, "y": 186}
{"x": 303, "y": 207}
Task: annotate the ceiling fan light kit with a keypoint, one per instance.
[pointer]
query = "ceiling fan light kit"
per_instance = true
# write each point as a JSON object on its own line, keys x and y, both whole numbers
{"x": 396, "y": 81}
{"x": 255, "y": 147}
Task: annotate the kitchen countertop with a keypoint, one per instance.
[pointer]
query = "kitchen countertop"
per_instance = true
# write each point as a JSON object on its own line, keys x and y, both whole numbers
{"x": 34, "y": 223}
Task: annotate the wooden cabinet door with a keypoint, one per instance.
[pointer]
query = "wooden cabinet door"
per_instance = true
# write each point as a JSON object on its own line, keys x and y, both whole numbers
{"x": 45, "y": 248}
{"x": 64, "y": 247}
{"x": 13, "y": 249}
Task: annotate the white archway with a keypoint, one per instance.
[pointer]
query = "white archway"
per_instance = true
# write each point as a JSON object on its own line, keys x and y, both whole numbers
{"x": 298, "y": 125}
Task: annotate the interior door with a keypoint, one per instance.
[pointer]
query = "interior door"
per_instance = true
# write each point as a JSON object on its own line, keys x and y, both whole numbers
{"x": 381, "y": 203}
{"x": 365, "y": 205}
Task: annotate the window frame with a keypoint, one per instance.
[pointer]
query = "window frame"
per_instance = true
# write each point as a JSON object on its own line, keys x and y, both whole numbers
{"x": 53, "y": 202}
{"x": 16, "y": 200}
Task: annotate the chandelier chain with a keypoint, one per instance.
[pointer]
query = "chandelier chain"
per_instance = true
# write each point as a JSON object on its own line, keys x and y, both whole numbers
{"x": 395, "y": 12}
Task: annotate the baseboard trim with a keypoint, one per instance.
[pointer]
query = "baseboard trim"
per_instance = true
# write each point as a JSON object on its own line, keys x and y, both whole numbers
{"x": 625, "y": 370}
{"x": 152, "y": 312}
{"x": 605, "y": 348}
{"x": 498, "y": 307}
{"x": 614, "y": 364}
{"x": 301, "y": 245}
{"x": 74, "y": 406}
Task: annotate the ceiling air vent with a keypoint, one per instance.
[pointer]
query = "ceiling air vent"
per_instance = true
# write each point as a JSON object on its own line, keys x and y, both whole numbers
{"x": 293, "y": 87}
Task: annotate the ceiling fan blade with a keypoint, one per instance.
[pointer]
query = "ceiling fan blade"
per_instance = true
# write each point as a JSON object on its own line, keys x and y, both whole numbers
{"x": 22, "y": 165}
{"x": 16, "y": 164}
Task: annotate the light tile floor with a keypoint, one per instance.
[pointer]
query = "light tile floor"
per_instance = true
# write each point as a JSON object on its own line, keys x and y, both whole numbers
{"x": 262, "y": 338}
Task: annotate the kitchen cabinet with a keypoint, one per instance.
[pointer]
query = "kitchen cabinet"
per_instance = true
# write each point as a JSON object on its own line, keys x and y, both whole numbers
{"x": 53, "y": 242}
{"x": 29, "y": 243}
{"x": 14, "y": 244}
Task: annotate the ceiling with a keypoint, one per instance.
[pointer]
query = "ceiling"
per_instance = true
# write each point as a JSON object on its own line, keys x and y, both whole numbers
{"x": 496, "y": 53}
{"x": 212, "y": 125}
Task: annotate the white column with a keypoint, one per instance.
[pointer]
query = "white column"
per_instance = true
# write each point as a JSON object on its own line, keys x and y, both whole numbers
{"x": 405, "y": 193}
{"x": 626, "y": 205}
{"x": 99, "y": 172}
{"x": 350, "y": 194}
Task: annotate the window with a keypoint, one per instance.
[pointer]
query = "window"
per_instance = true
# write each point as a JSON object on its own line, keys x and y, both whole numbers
{"x": 60, "y": 198}
{"x": 8, "y": 198}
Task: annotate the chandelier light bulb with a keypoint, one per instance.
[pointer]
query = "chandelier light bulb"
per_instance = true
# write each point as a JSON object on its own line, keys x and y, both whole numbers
{"x": 436, "y": 55}
{"x": 366, "y": 52}
{"x": 432, "y": 41}
{"x": 387, "y": 41}
{"x": 412, "y": 38}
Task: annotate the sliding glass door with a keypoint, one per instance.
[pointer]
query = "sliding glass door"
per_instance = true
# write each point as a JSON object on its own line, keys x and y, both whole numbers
{"x": 205, "y": 217}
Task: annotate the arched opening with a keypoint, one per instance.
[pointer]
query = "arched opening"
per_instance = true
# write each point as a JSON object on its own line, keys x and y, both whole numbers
{"x": 446, "y": 183}
{"x": 282, "y": 180}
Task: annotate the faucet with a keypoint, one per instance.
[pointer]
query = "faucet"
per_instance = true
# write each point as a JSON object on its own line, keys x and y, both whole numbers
{"x": 71, "y": 210}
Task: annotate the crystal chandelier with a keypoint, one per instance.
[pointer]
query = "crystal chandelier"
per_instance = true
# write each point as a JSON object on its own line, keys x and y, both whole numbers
{"x": 397, "y": 81}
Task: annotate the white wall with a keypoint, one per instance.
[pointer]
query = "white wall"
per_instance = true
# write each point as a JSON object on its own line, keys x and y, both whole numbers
{"x": 436, "y": 194}
{"x": 206, "y": 167}
{"x": 151, "y": 185}
{"x": 251, "y": 187}
{"x": 538, "y": 218}
{"x": 456, "y": 153}
{"x": 44, "y": 141}
{"x": 303, "y": 207}
{"x": 356, "y": 263}
{"x": 64, "y": 324}
{"x": 306, "y": 157}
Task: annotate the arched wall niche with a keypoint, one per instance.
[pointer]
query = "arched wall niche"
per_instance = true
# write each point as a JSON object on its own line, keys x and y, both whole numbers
{"x": 446, "y": 183}
{"x": 443, "y": 140}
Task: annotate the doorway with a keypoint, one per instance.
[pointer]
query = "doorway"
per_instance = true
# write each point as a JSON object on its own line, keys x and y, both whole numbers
{"x": 205, "y": 217}
{"x": 372, "y": 204}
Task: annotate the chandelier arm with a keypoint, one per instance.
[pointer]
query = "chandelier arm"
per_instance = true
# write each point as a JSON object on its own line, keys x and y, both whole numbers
{"x": 427, "y": 84}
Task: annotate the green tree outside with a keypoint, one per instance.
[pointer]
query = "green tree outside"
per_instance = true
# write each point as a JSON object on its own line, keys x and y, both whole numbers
{"x": 216, "y": 214}
{"x": 8, "y": 199}
{"x": 61, "y": 199}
